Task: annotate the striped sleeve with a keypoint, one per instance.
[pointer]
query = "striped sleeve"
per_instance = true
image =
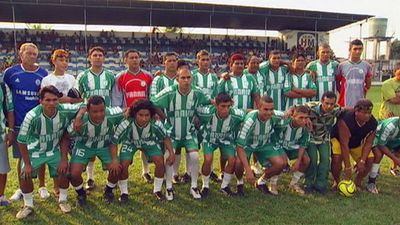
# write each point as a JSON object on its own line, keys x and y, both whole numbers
{"x": 383, "y": 133}
{"x": 154, "y": 86}
{"x": 162, "y": 99}
{"x": 115, "y": 114}
{"x": 159, "y": 130}
{"x": 203, "y": 98}
{"x": 79, "y": 82}
{"x": 70, "y": 109}
{"x": 204, "y": 113}
{"x": 246, "y": 130}
{"x": 9, "y": 102}
{"x": 27, "y": 127}
{"x": 312, "y": 66}
{"x": 121, "y": 132}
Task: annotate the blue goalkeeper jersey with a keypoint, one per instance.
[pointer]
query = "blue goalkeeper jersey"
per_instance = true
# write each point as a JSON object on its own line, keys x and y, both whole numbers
{"x": 24, "y": 86}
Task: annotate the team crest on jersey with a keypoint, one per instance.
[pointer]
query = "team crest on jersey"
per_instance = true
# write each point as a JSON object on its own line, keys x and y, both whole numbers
{"x": 361, "y": 71}
{"x": 143, "y": 83}
{"x": 37, "y": 82}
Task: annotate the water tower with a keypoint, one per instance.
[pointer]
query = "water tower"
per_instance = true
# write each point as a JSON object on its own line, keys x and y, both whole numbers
{"x": 376, "y": 36}
{"x": 373, "y": 51}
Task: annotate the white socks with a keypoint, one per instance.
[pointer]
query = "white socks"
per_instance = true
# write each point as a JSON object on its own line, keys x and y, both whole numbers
{"x": 194, "y": 167}
{"x": 157, "y": 184}
{"x": 374, "y": 170}
{"x": 90, "y": 170}
{"x": 63, "y": 195}
{"x": 145, "y": 163}
{"x": 274, "y": 180}
{"x": 261, "y": 181}
{"x": 206, "y": 181}
{"x": 28, "y": 199}
{"x": 177, "y": 162}
{"x": 123, "y": 186}
{"x": 296, "y": 177}
{"x": 226, "y": 180}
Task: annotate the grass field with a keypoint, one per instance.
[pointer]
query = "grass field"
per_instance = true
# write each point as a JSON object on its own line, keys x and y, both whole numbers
{"x": 254, "y": 208}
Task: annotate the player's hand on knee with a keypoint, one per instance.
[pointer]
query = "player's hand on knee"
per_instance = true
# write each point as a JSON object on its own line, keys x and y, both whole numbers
{"x": 250, "y": 177}
{"x": 360, "y": 166}
{"x": 115, "y": 168}
{"x": 295, "y": 166}
{"x": 171, "y": 159}
{"x": 63, "y": 167}
{"x": 27, "y": 172}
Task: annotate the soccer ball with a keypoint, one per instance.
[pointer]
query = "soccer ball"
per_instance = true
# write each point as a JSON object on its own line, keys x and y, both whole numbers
{"x": 74, "y": 93}
{"x": 347, "y": 188}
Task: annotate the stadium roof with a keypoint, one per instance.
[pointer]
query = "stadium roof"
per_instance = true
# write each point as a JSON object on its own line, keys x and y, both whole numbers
{"x": 136, "y": 12}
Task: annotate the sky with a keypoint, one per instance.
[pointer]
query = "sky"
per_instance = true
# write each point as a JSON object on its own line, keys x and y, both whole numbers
{"x": 379, "y": 8}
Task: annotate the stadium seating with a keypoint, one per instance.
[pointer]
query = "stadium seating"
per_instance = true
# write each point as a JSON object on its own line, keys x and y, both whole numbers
{"x": 185, "y": 47}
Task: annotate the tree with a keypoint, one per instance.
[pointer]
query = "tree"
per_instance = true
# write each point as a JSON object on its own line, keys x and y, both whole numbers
{"x": 38, "y": 26}
{"x": 173, "y": 30}
{"x": 395, "y": 50}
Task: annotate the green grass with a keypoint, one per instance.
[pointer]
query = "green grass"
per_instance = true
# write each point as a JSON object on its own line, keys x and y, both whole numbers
{"x": 254, "y": 208}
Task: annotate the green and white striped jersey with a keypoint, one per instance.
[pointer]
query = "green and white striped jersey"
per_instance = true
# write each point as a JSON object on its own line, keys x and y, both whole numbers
{"x": 301, "y": 81}
{"x": 325, "y": 76}
{"x": 294, "y": 138}
{"x": 274, "y": 82}
{"x": 95, "y": 136}
{"x": 128, "y": 132}
{"x": 159, "y": 83}
{"x": 240, "y": 88}
{"x": 260, "y": 81}
{"x": 208, "y": 83}
{"x": 387, "y": 130}
{"x": 42, "y": 134}
{"x": 216, "y": 130}
{"x": 90, "y": 84}
{"x": 180, "y": 109}
{"x": 256, "y": 133}
{"x": 9, "y": 108}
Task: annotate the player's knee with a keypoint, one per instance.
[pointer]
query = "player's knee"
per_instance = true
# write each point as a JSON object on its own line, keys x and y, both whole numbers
{"x": 306, "y": 161}
{"x": 377, "y": 154}
{"x": 231, "y": 161}
{"x": 158, "y": 161}
{"x": 208, "y": 159}
{"x": 76, "y": 172}
{"x": 194, "y": 156}
{"x": 336, "y": 159}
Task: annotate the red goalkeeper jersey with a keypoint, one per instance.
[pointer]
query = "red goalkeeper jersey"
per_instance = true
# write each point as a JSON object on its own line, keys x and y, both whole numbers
{"x": 131, "y": 87}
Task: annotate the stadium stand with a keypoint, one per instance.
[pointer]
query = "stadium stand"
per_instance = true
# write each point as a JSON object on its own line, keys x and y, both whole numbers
{"x": 185, "y": 45}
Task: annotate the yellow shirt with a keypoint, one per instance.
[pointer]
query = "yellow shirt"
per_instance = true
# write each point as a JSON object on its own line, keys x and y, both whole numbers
{"x": 390, "y": 89}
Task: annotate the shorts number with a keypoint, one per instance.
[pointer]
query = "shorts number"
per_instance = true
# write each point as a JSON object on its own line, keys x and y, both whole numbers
{"x": 80, "y": 152}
